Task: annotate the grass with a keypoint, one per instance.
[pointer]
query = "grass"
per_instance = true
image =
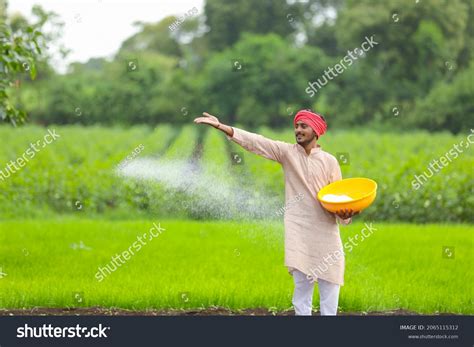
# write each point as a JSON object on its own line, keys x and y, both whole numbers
{"x": 230, "y": 264}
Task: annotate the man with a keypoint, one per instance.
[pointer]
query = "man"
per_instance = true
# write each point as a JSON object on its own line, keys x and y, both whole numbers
{"x": 313, "y": 246}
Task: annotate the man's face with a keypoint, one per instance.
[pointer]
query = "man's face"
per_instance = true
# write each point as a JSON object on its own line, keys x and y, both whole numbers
{"x": 304, "y": 133}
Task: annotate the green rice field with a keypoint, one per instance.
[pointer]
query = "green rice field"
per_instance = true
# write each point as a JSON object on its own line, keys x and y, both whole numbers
{"x": 67, "y": 212}
{"x": 194, "y": 264}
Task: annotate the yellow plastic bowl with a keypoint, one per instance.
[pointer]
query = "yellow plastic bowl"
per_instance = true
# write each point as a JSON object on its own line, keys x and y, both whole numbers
{"x": 361, "y": 190}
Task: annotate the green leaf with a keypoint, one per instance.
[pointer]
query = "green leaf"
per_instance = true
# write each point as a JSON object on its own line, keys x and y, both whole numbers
{"x": 33, "y": 71}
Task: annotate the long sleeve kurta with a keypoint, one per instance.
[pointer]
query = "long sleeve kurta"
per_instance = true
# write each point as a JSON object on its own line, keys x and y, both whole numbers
{"x": 312, "y": 240}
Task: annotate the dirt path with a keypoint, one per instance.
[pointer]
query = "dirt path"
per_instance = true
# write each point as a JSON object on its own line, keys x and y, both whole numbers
{"x": 217, "y": 311}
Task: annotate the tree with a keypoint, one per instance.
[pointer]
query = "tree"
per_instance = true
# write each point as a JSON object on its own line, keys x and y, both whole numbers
{"x": 154, "y": 37}
{"x": 19, "y": 49}
{"x": 449, "y": 106}
{"x": 23, "y": 46}
{"x": 228, "y": 20}
{"x": 417, "y": 44}
{"x": 260, "y": 80}
{"x": 316, "y": 20}
{"x": 467, "y": 52}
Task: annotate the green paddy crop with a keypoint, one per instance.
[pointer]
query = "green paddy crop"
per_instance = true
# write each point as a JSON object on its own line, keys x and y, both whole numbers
{"x": 191, "y": 264}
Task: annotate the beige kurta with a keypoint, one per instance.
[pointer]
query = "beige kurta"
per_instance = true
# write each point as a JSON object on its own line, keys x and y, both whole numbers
{"x": 312, "y": 240}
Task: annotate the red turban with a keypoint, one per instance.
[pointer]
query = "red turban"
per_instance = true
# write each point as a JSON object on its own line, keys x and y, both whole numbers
{"x": 314, "y": 120}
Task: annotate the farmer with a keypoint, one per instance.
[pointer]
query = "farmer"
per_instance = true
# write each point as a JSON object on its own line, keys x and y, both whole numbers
{"x": 313, "y": 247}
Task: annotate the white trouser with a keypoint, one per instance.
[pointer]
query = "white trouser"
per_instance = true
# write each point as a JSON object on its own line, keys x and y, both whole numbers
{"x": 303, "y": 295}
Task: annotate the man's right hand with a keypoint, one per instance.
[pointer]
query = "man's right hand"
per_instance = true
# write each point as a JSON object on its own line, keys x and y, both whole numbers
{"x": 208, "y": 119}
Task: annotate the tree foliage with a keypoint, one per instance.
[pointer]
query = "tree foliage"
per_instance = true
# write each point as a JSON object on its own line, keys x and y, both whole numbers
{"x": 251, "y": 61}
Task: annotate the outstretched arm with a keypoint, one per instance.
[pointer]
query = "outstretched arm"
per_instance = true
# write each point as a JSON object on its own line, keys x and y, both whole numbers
{"x": 213, "y": 121}
{"x": 255, "y": 143}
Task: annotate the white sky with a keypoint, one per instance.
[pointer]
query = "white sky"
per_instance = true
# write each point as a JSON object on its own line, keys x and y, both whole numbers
{"x": 96, "y": 28}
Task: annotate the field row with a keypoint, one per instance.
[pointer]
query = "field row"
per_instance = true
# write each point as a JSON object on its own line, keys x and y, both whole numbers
{"x": 196, "y": 172}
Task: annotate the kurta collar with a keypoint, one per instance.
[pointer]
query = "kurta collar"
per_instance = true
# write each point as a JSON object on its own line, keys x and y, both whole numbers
{"x": 314, "y": 150}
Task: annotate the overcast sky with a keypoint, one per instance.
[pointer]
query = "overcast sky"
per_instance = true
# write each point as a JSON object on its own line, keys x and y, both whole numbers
{"x": 96, "y": 28}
